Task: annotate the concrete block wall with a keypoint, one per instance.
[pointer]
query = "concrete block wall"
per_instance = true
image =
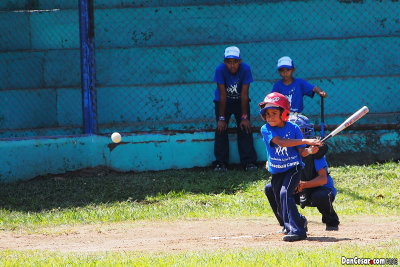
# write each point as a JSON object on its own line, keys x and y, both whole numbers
{"x": 40, "y": 77}
{"x": 174, "y": 43}
{"x": 26, "y": 159}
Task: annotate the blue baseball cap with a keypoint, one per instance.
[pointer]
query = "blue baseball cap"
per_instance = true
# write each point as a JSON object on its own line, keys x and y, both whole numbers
{"x": 232, "y": 52}
{"x": 285, "y": 62}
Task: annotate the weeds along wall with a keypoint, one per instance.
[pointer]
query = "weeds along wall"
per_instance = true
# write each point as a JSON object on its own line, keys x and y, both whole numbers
{"x": 154, "y": 67}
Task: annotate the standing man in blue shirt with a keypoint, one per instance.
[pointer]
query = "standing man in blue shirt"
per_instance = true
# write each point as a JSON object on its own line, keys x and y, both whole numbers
{"x": 233, "y": 80}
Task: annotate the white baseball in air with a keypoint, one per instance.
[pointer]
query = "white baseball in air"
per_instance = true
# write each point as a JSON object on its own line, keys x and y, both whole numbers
{"x": 116, "y": 137}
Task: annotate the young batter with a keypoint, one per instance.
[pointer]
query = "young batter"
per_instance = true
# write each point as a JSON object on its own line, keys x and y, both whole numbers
{"x": 319, "y": 190}
{"x": 285, "y": 145}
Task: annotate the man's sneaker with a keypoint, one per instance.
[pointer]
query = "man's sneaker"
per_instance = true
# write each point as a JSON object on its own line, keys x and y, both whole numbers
{"x": 250, "y": 167}
{"x": 332, "y": 228}
{"x": 220, "y": 167}
{"x": 293, "y": 237}
{"x": 283, "y": 231}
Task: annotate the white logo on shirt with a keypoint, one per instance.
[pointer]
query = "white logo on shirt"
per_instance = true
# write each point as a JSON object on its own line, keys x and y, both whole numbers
{"x": 232, "y": 89}
{"x": 290, "y": 95}
{"x": 290, "y": 98}
{"x": 281, "y": 151}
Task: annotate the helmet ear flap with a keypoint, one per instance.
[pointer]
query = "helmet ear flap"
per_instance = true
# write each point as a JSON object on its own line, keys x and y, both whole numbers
{"x": 285, "y": 115}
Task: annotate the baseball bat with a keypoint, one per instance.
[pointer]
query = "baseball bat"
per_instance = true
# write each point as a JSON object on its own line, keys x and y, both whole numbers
{"x": 350, "y": 120}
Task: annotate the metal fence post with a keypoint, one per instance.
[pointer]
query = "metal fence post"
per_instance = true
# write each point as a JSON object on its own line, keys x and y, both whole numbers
{"x": 88, "y": 73}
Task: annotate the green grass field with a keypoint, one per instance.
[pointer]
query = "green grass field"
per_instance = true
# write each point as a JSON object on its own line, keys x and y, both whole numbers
{"x": 110, "y": 197}
{"x": 250, "y": 257}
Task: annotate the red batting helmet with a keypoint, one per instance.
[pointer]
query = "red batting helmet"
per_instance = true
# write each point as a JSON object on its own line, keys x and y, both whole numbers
{"x": 275, "y": 100}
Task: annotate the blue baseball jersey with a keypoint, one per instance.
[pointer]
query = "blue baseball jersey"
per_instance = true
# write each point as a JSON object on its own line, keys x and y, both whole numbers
{"x": 295, "y": 92}
{"x": 281, "y": 159}
{"x": 233, "y": 83}
{"x": 321, "y": 163}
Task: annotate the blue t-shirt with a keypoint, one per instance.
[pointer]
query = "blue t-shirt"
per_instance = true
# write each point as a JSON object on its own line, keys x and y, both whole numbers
{"x": 233, "y": 83}
{"x": 281, "y": 159}
{"x": 295, "y": 92}
{"x": 321, "y": 163}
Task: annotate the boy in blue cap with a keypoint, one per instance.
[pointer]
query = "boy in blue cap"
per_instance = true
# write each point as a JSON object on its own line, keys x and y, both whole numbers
{"x": 233, "y": 80}
{"x": 294, "y": 88}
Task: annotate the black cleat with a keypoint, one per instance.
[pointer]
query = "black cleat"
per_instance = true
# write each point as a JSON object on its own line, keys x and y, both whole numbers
{"x": 293, "y": 237}
{"x": 332, "y": 228}
{"x": 250, "y": 167}
{"x": 220, "y": 167}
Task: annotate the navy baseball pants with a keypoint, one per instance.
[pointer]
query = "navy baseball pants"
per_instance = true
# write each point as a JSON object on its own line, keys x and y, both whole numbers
{"x": 321, "y": 197}
{"x": 283, "y": 186}
{"x": 246, "y": 149}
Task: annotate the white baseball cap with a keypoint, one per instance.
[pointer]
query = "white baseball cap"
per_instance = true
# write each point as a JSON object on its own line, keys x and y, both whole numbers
{"x": 285, "y": 62}
{"x": 232, "y": 52}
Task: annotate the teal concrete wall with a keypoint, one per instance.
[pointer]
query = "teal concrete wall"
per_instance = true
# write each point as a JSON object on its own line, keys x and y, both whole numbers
{"x": 196, "y": 116}
{"x": 26, "y": 159}
{"x": 42, "y": 69}
{"x": 173, "y": 48}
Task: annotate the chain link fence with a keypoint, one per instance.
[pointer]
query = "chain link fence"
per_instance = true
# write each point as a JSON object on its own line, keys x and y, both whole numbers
{"x": 155, "y": 61}
{"x": 39, "y": 70}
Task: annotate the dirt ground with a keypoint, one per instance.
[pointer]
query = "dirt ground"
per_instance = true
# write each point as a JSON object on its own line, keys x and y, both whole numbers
{"x": 197, "y": 235}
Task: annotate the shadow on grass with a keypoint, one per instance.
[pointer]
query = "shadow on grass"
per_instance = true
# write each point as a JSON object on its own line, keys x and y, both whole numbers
{"x": 354, "y": 195}
{"x": 99, "y": 185}
{"x": 326, "y": 239}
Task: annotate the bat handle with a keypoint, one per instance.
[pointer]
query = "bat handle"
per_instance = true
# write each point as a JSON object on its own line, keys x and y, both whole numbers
{"x": 326, "y": 138}
{"x": 322, "y": 118}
